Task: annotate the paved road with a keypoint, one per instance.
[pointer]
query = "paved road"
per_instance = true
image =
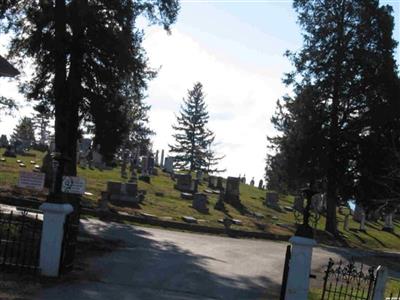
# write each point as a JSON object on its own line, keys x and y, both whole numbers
{"x": 162, "y": 264}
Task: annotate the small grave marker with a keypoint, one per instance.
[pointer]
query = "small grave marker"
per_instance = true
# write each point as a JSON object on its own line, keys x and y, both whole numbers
{"x": 31, "y": 180}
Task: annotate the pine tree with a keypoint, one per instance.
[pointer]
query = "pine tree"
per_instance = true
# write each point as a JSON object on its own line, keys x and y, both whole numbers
{"x": 192, "y": 137}
{"x": 24, "y": 132}
{"x": 83, "y": 53}
{"x": 42, "y": 124}
{"x": 343, "y": 47}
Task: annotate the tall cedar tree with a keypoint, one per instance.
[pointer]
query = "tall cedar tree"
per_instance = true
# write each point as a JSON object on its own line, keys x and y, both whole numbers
{"x": 193, "y": 138}
{"x": 84, "y": 52}
{"x": 339, "y": 63}
{"x": 24, "y": 132}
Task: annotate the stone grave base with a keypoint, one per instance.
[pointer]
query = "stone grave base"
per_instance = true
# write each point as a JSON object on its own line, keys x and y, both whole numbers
{"x": 145, "y": 178}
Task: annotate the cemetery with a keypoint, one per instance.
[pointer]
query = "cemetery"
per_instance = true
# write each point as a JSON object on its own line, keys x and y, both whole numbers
{"x": 104, "y": 196}
{"x": 257, "y": 210}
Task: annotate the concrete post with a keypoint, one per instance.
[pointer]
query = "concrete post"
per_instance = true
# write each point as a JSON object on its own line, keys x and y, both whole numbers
{"x": 52, "y": 236}
{"x": 299, "y": 268}
{"x": 380, "y": 284}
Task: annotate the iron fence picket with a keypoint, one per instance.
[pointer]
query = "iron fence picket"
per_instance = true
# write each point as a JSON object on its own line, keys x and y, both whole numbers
{"x": 19, "y": 241}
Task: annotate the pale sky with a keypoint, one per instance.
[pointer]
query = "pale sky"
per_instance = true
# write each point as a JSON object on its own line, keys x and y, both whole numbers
{"x": 235, "y": 49}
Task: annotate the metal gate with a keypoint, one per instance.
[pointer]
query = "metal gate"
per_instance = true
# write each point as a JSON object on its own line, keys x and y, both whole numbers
{"x": 348, "y": 281}
{"x": 285, "y": 272}
{"x": 20, "y": 235}
{"x": 71, "y": 229}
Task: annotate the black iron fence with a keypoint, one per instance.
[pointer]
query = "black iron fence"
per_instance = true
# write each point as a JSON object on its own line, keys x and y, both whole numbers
{"x": 71, "y": 229}
{"x": 348, "y": 281}
{"x": 20, "y": 234}
{"x": 285, "y": 272}
{"x": 393, "y": 289}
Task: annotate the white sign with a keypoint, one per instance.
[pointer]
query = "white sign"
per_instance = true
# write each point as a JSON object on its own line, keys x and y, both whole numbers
{"x": 73, "y": 185}
{"x": 31, "y": 180}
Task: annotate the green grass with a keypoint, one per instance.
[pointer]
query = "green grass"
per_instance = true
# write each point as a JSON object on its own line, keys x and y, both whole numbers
{"x": 172, "y": 206}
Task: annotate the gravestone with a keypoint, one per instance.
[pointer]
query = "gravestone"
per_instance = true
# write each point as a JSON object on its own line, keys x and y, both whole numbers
{"x": 47, "y": 169}
{"x": 122, "y": 193}
{"x": 10, "y": 152}
{"x": 200, "y": 202}
{"x": 212, "y": 181}
{"x": 169, "y": 164}
{"x": 346, "y": 223}
{"x": 219, "y": 183}
{"x": 184, "y": 183}
{"x": 388, "y": 223}
{"x": 358, "y": 213}
{"x": 31, "y": 180}
{"x": 252, "y": 182}
{"x": 199, "y": 175}
{"x": 3, "y": 141}
{"x": 219, "y": 205}
{"x": 272, "y": 199}
{"x": 156, "y": 161}
{"x": 232, "y": 194}
{"x": 317, "y": 203}
{"x": 145, "y": 165}
{"x": 162, "y": 159}
{"x": 298, "y": 203}
{"x": 97, "y": 158}
{"x": 261, "y": 185}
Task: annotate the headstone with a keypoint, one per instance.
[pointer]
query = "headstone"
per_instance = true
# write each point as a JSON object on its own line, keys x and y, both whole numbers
{"x": 220, "y": 203}
{"x": 169, "y": 164}
{"x": 272, "y": 199}
{"x": 200, "y": 202}
{"x": 362, "y": 223}
{"x": 3, "y": 141}
{"x": 189, "y": 219}
{"x": 150, "y": 164}
{"x": 47, "y": 168}
{"x": 317, "y": 203}
{"x": 156, "y": 161}
{"x": 346, "y": 223}
{"x": 388, "y": 223}
{"x": 212, "y": 182}
{"x": 97, "y": 158}
{"x": 103, "y": 203}
{"x": 162, "y": 159}
{"x": 260, "y": 184}
{"x": 219, "y": 183}
{"x": 252, "y": 182}
{"x": 243, "y": 179}
{"x": 10, "y": 152}
{"x": 358, "y": 213}
{"x": 31, "y": 180}
{"x": 199, "y": 175}
{"x": 184, "y": 183}
{"x": 232, "y": 194}
{"x": 298, "y": 203}
{"x": 122, "y": 193}
{"x": 145, "y": 165}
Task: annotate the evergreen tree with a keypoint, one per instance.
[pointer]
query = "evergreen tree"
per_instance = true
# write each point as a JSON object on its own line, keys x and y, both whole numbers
{"x": 42, "y": 124}
{"x": 83, "y": 54}
{"x": 192, "y": 137}
{"x": 339, "y": 62}
{"x": 24, "y": 132}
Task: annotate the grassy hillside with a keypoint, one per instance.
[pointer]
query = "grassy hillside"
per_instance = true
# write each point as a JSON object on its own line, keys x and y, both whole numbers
{"x": 172, "y": 207}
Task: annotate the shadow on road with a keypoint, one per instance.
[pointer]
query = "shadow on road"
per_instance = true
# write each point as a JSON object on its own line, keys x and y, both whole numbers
{"x": 146, "y": 268}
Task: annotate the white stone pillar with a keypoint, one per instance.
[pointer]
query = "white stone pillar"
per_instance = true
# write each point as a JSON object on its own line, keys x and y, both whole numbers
{"x": 299, "y": 268}
{"x": 52, "y": 236}
{"x": 380, "y": 284}
{"x": 388, "y": 222}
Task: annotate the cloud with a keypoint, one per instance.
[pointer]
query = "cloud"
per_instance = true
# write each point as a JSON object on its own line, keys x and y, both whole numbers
{"x": 241, "y": 100}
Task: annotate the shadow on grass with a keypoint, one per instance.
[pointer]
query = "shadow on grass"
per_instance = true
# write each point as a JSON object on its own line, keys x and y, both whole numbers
{"x": 146, "y": 268}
